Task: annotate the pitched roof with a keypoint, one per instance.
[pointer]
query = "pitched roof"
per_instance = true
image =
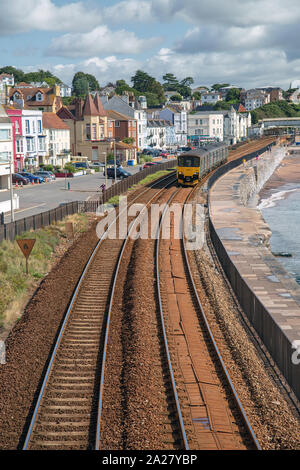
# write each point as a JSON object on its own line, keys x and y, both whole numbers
{"x": 89, "y": 108}
{"x": 52, "y": 121}
{"x": 99, "y": 105}
{"x": 118, "y": 116}
{"x": 28, "y": 95}
{"x": 65, "y": 113}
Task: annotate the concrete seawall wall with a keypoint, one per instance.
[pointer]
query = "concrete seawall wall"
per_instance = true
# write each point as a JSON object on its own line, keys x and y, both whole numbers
{"x": 258, "y": 172}
{"x": 269, "y": 297}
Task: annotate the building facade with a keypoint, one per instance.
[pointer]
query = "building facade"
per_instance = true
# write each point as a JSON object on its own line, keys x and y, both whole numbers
{"x": 34, "y": 138}
{"x": 57, "y": 140}
{"x": 205, "y": 125}
{"x": 178, "y": 118}
{"x": 17, "y": 134}
{"x": 6, "y": 149}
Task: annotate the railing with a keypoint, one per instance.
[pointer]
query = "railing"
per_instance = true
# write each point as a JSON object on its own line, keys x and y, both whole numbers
{"x": 10, "y": 230}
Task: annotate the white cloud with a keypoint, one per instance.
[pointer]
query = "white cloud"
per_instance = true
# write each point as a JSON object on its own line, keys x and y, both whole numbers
{"x": 128, "y": 11}
{"x": 21, "y": 16}
{"x": 99, "y": 41}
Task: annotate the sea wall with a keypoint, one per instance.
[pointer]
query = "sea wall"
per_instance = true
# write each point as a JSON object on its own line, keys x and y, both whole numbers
{"x": 268, "y": 295}
{"x": 256, "y": 174}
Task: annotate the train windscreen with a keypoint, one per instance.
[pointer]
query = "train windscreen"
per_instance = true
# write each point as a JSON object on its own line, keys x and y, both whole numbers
{"x": 189, "y": 161}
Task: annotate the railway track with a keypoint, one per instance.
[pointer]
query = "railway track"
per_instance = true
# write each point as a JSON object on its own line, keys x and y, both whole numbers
{"x": 66, "y": 413}
{"x": 216, "y": 424}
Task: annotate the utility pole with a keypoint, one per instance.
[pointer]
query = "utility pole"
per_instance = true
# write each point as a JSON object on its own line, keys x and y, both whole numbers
{"x": 115, "y": 161}
{"x": 12, "y": 214}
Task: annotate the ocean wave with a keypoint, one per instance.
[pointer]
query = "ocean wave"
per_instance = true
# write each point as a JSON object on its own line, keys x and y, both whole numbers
{"x": 272, "y": 200}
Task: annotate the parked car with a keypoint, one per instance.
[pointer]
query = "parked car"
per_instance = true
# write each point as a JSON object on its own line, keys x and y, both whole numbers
{"x": 16, "y": 178}
{"x": 45, "y": 174}
{"x": 31, "y": 177}
{"x": 164, "y": 154}
{"x": 97, "y": 165}
{"x": 148, "y": 164}
{"x": 121, "y": 173}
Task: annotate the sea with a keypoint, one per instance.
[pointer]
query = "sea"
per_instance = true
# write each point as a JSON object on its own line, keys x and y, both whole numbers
{"x": 280, "y": 209}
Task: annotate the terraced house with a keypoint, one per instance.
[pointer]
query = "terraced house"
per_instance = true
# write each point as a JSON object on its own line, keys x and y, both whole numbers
{"x": 57, "y": 139}
{"x": 97, "y": 133}
{"x": 36, "y": 98}
{"x": 6, "y": 149}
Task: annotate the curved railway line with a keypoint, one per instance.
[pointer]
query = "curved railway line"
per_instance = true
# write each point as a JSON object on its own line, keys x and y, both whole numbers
{"x": 216, "y": 426}
{"x": 68, "y": 412}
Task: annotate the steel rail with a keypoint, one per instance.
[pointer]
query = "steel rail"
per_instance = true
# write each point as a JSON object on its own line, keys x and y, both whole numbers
{"x": 182, "y": 427}
{"x": 67, "y": 315}
{"x": 131, "y": 227}
{"x": 224, "y": 369}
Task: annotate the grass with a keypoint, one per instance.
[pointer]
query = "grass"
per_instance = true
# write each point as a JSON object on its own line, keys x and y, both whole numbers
{"x": 14, "y": 283}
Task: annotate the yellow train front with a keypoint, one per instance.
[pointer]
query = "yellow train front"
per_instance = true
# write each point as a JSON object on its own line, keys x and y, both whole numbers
{"x": 193, "y": 165}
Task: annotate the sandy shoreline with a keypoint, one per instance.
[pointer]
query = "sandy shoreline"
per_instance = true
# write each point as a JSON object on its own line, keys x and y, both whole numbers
{"x": 287, "y": 173}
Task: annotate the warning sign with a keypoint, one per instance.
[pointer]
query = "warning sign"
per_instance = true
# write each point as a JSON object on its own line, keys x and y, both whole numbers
{"x": 26, "y": 246}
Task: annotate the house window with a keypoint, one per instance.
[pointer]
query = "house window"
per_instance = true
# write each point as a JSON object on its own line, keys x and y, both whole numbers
{"x": 17, "y": 127}
{"x": 27, "y": 126}
{"x": 5, "y": 134}
{"x": 39, "y": 126}
{"x": 117, "y": 123}
{"x": 39, "y": 97}
{"x": 19, "y": 145}
{"x": 88, "y": 131}
{"x": 94, "y": 130}
{"x": 33, "y": 127}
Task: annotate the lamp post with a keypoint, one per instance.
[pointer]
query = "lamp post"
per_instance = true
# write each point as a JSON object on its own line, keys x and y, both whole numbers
{"x": 115, "y": 161}
{"x": 105, "y": 168}
{"x": 12, "y": 214}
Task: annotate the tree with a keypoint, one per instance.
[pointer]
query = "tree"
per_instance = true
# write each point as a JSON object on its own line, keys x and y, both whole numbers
{"x": 82, "y": 83}
{"x": 197, "y": 95}
{"x": 144, "y": 83}
{"x": 17, "y": 73}
{"x": 233, "y": 94}
{"x": 42, "y": 76}
{"x": 171, "y": 82}
{"x": 217, "y": 86}
{"x": 176, "y": 98}
{"x": 123, "y": 86}
{"x": 81, "y": 87}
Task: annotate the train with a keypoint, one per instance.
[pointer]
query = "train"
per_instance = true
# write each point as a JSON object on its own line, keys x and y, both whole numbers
{"x": 193, "y": 165}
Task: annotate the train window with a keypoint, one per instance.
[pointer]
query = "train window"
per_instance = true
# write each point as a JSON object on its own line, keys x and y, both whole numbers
{"x": 188, "y": 161}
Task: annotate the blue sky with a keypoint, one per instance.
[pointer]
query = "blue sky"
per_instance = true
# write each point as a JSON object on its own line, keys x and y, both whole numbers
{"x": 242, "y": 42}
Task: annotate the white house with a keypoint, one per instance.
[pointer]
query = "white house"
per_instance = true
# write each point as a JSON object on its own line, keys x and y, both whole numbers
{"x": 57, "y": 140}
{"x": 178, "y": 118}
{"x": 255, "y": 99}
{"x": 205, "y": 125}
{"x": 211, "y": 98}
{"x": 6, "y": 149}
{"x": 34, "y": 139}
{"x": 237, "y": 122}
{"x": 160, "y": 134}
{"x": 65, "y": 90}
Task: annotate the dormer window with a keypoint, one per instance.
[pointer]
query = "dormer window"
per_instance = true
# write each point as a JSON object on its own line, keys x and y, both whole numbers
{"x": 39, "y": 96}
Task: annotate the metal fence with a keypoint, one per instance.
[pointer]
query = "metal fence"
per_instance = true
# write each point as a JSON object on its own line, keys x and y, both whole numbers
{"x": 269, "y": 331}
{"x": 10, "y": 230}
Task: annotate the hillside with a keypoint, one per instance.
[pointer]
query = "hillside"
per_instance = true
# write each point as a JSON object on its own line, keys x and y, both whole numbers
{"x": 275, "y": 109}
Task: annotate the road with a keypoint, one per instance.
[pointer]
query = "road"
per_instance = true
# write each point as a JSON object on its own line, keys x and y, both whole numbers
{"x": 39, "y": 198}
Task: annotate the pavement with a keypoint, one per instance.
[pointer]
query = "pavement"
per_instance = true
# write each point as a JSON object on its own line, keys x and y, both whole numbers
{"x": 242, "y": 231}
{"x": 39, "y": 198}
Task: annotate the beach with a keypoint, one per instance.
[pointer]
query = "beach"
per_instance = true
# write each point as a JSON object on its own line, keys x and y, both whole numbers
{"x": 279, "y": 203}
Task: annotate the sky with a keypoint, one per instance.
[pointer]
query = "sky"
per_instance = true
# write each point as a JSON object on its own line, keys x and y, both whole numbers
{"x": 246, "y": 43}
